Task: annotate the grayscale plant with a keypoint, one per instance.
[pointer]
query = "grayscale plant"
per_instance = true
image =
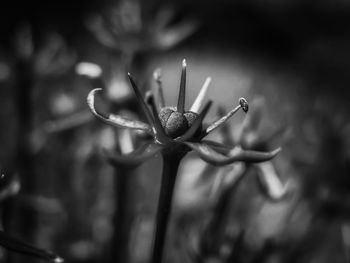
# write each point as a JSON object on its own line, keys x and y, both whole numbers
{"x": 175, "y": 132}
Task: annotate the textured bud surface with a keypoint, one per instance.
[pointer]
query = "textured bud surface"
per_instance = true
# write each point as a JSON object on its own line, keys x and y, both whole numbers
{"x": 175, "y": 123}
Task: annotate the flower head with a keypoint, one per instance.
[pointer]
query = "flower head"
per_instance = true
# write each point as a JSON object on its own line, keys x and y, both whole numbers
{"x": 176, "y": 129}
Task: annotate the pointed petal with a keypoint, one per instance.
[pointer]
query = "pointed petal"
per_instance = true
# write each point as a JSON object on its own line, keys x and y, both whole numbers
{"x": 270, "y": 181}
{"x": 223, "y": 119}
{"x": 236, "y": 155}
{"x": 141, "y": 100}
{"x": 135, "y": 158}
{"x": 196, "y": 124}
{"x": 116, "y": 120}
{"x": 23, "y": 248}
{"x": 182, "y": 92}
{"x": 160, "y": 94}
{"x": 142, "y": 103}
{"x": 201, "y": 95}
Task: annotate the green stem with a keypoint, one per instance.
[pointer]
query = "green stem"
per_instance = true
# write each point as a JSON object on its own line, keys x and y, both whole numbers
{"x": 171, "y": 163}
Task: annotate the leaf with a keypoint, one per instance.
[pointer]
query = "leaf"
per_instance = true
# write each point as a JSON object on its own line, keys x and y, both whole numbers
{"x": 237, "y": 155}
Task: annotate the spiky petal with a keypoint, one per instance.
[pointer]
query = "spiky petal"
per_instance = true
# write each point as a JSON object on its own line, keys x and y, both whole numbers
{"x": 142, "y": 103}
{"x": 201, "y": 95}
{"x": 182, "y": 92}
{"x": 160, "y": 94}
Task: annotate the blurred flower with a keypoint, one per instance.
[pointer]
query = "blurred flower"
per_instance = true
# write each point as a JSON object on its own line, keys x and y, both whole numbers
{"x": 251, "y": 137}
{"x": 127, "y": 27}
{"x": 51, "y": 59}
{"x": 173, "y": 128}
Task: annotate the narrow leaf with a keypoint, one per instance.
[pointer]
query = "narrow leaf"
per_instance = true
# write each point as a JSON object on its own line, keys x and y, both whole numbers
{"x": 237, "y": 155}
{"x": 20, "y": 247}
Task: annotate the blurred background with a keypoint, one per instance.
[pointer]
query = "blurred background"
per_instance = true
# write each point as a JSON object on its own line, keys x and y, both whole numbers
{"x": 289, "y": 59}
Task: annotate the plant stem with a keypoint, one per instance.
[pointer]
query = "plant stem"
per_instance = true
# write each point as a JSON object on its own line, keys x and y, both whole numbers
{"x": 171, "y": 163}
{"x": 124, "y": 214}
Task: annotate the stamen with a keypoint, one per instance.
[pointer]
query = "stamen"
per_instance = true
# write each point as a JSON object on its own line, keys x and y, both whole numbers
{"x": 182, "y": 92}
{"x": 243, "y": 104}
{"x": 201, "y": 95}
{"x": 160, "y": 95}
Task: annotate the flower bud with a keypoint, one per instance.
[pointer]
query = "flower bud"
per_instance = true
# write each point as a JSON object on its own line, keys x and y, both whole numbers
{"x": 175, "y": 123}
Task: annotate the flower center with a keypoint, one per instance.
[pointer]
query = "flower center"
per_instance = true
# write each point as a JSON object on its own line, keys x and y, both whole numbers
{"x": 175, "y": 123}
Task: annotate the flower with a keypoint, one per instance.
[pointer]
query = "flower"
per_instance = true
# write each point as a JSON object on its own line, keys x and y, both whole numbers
{"x": 175, "y": 130}
{"x": 252, "y": 137}
{"x": 131, "y": 28}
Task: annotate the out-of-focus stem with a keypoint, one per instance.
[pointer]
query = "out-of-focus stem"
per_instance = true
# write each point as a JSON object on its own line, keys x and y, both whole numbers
{"x": 171, "y": 163}
{"x": 124, "y": 213}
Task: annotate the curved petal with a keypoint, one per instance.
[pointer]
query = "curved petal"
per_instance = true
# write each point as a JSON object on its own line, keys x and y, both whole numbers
{"x": 136, "y": 157}
{"x": 20, "y": 247}
{"x": 211, "y": 156}
{"x": 114, "y": 119}
{"x": 218, "y": 147}
{"x": 270, "y": 181}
